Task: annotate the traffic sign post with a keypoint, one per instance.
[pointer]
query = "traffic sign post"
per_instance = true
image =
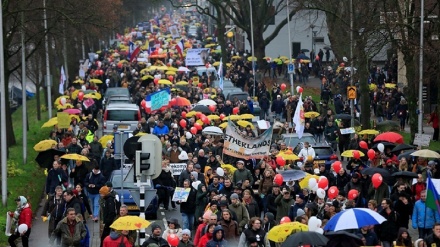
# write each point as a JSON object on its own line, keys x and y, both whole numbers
{"x": 351, "y": 92}
{"x": 290, "y": 68}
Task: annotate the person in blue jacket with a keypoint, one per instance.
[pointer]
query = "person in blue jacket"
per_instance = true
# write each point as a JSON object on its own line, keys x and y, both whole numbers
{"x": 161, "y": 129}
{"x": 423, "y": 217}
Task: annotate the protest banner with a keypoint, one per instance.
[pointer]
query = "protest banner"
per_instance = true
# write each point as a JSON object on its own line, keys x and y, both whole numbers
{"x": 245, "y": 147}
{"x": 63, "y": 120}
{"x": 177, "y": 168}
{"x": 181, "y": 194}
{"x": 196, "y": 57}
{"x": 157, "y": 100}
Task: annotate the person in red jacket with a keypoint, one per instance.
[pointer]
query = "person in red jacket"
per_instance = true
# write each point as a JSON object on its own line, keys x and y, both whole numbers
{"x": 116, "y": 238}
{"x": 208, "y": 235}
{"x": 22, "y": 215}
{"x": 434, "y": 119}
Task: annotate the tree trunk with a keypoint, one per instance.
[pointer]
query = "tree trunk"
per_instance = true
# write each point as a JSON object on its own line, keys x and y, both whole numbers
{"x": 259, "y": 47}
{"x": 10, "y": 140}
{"x": 37, "y": 95}
{"x": 411, "y": 91}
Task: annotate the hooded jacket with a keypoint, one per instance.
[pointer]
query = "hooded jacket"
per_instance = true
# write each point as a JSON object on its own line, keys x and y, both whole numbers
{"x": 204, "y": 239}
{"x": 67, "y": 239}
{"x": 283, "y": 206}
{"x": 217, "y": 242}
{"x": 241, "y": 212}
{"x": 97, "y": 179}
{"x": 201, "y": 201}
{"x": 114, "y": 239}
{"x": 241, "y": 175}
{"x": 270, "y": 222}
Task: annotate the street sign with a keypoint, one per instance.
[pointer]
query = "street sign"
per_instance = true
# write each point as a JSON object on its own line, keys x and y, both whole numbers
{"x": 351, "y": 92}
{"x": 290, "y": 68}
{"x": 422, "y": 140}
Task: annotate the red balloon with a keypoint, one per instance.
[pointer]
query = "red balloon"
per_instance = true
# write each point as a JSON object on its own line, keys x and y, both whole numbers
{"x": 377, "y": 180}
{"x": 300, "y": 90}
{"x": 235, "y": 110}
{"x": 342, "y": 64}
{"x": 173, "y": 240}
{"x": 211, "y": 108}
{"x": 183, "y": 114}
{"x": 337, "y": 166}
{"x": 171, "y": 78}
{"x": 80, "y": 95}
{"x": 283, "y": 86}
{"x": 206, "y": 120}
{"x": 284, "y": 220}
{"x": 371, "y": 154}
{"x": 199, "y": 114}
{"x": 182, "y": 123}
{"x": 356, "y": 154}
{"x": 281, "y": 161}
{"x": 332, "y": 192}
{"x": 363, "y": 145}
{"x": 222, "y": 116}
{"x": 200, "y": 85}
{"x": 278, "y": 179}
{"x": 352, "y": 194}
{"x": 156, "y": 80}
{"x": 193, "y": 130}
{"x": 197, "y": 126}
{"x": 173, "y": 101}
{"x": 323, "y": 183}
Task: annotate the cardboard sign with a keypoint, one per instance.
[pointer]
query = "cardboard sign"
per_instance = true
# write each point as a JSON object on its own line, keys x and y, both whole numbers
{"x": 177, "y": 168}
{"x": 63, "y": 120}
{"x": 181, "y": 194}
{"x": 422, "y": 140}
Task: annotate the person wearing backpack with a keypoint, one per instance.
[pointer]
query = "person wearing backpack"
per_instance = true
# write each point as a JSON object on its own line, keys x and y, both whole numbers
{"x": 109, "y": 211}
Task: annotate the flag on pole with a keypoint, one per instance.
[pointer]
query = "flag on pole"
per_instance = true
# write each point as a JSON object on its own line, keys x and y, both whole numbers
{"x": 62, "y": 81}
{"x": 180, "y": 46}
{"x": 135, "y": 53}
{"x": 432, "y": 198}
{"x": 298, "y": 118}
{"x": 220, "y": 74}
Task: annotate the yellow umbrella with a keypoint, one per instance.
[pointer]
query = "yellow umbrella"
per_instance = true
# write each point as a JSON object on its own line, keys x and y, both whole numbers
{"x": 368, "y": 132}
{"x": 74, "y": 116}
{"x": 44, "y": 145}
{"x": 75, "y": 157}
{"x": 130, "y": 222}
{"x": 140, "y": 134}
{"x": 169, "y": 72}
{"x": 232, "y": 117}
{"x": 165, "y": 82}
{"x": 51, "y": 122}
{"x": 216, "y": 64}
{"x": 236, "y": 57}
{"x": 146, "y": 77}
{"x": 104, "y": 139}
{"x": 60, "y": 107}
{"x": 228, "y": 64}
{"x": 288, "y": 155}
{"x": 349, "y": 153}
{"x": 209, "y": 45}
{"x": 144, "y": 71}
{"x": 373, "y": 87}
{"x": 163, "y": 67}
{"x": 252, "y": 59}
{"x": 276, "y": 60}
{"x": 279, "y": 233}
{"x": 171, "y": 69}
{"x": 96, "y": 94}
{"x": 265, "y": 58}
{"x": 57, "y": 100}
{"x": 305, "y": 182}
{"x": 244, "y": 124}
{"x": 96, "y": 81}
{"x": 390, "y": 85}
{"x": 74, "y": 94}
{"x": 223, "y": 125}
{"x": 229, "y": 168}
{"x": 90, "y": 96}
{"x": 182, "y": 83}
{"x": 246, "y": 116}
{"x": 284, "y": 58}
{"x": 191, "y": 114}
{"x": 213, "y": 117}
{"x": 311, "y": 114}
{"x": 200, "y": 122}
{"x": 78, "y": 81}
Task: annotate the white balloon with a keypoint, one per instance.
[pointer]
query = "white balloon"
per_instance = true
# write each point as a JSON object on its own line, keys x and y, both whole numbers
{"x": 316, "y": 171}
{"x": 380, "y": 147}
{"x": 320, "y": 193}
{"x": 195, "y": 184}
{"x": 96, "y": 56}
{"x": 188, "y": 135}
{"x": 63, "y": 101}
{"x": 320, "y": 230}
{"x": 220, "y": 171}
{"x": 315, "y": 188}
{"x": 297, "y": 89}
{"x": 313, "y": 223}
{"x": 170, "y": 60}
{"x": 83, "y": 88}
{"x": 312, "y": 183}
{"x": 22, "y": 228}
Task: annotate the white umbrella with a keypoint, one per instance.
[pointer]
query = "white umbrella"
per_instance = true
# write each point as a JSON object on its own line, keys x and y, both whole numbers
{"x": 212, "y": 130}
{"x": 426, "y": 153}
{"x": 183, "y": 69}
{"x": 206, "y": 102}
{"x": 353, "y": 218}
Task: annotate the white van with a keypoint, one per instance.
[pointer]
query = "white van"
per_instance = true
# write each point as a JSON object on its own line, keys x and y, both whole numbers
{"x": 123, "y": 116}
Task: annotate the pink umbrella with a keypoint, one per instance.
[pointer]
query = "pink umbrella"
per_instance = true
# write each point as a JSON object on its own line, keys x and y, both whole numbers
{"x": 72, "y": 111}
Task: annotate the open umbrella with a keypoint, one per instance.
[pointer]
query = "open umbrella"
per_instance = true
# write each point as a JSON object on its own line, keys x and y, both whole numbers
{"x": 343, "y": 239}
{"x": 305, "y": 50}
{"x": 96, "y": 81}
{"x": 183, "y": 69}
{"x": 349, "y": 153}
{"x": 293, "y": 175}
{"x": 229, "y": 168}
{"x": 232, "y": 118}
{"x": 130, "y": 223}
{"x": 402, "y": 147}
{"x": 244, "y": 123}
{"x": 279, "y": 233}
{"x": 223, "y": 125}
{"x": 389, "y": 137}
{"x": 302, "y": 56}
{"x": 305, "y": 182}
{"x": 311, "y": 114}
{"x": 201, "y": 108}
{"x": 191, "y": 114}
{"x": 426, "y": 153}
{"x": 165, "y": 82}
{"x": 373, "y": 170}
{"x": 368, "y": 132}
{"x": 104, "y": 139}
{"x": 180, "y": 101}
{"x": 213, "y": 117}
{"x": 46, "y": 158}
{"x": 75, "y": 157}
{"x": 50, "y": 123}
{"x": 353, "y": 218}
{"x": 386, "y": 144}
{"x": 405, "y": 174}
{"x": 288, "y": 155}
{"x": 182, "y": 83}
{"x": 212, "y": 130}
{"x": 44, "y": 145}
{"x": 305, "y": 238}
{"x": 206, "y": 102}
{"x": 73, "y": 111}
{"x": 406, "y": 155}
{"x": 343, "y": 116}
{"x": 246, "y": 116}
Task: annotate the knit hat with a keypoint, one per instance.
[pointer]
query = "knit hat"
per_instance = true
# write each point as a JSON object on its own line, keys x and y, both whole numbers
{"x": 186, "y": 232}
{"x": 234, "y": 196}
{"x": 207, "y": 215}
{"x": 104, "y": 190}
{"x": 300, "y": 212}
{"x": 155, "y": 226}
{"x": 195, "y": 175}
{"x": 109, "y": 184}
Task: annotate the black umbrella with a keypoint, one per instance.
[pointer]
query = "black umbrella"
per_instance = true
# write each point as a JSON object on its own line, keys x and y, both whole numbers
{"x": 402, "y": 147}
{"x": 405, "y": 174}
{"x": 386, "y": 144}
{"x": 201, "y": 108}
{"x": 292, "y": 175}
{"x": 305, "y": 50}
{"x": 302, "y": 56}
{"x": 327, "y": 48}
{"x": 45, "y": 158}
{"x": 406, "y": 154}
{"x": 373, "y": 170}
{"x": 343, "y": 239}
{"x": 343, "y": 116}
{"x": 305, "y": 238}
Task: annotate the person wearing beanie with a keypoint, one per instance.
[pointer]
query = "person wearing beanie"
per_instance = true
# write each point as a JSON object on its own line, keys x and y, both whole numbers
{"x": 300, "y": 203}
{"x": 110, "y": 210}
{"x": 269, "y": 221}
{"x": 283, "y": 202}
{"x": 155, "y": 237}
{"x": 240, "y": 211}
{"x": 186, "y": 239}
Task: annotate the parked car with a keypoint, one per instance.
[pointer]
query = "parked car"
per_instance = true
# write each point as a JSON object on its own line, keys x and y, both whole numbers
{"x": 243, "y": 96}
{"x": 115, "y": 91}
{"x": 128, "y": 198}
{"x": 324, "y": 154}
{"x": 123, "y": 116}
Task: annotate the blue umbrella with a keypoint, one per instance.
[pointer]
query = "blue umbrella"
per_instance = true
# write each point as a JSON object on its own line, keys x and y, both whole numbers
{"x": 353, "y": 218}
{"x": 292, "y": 175}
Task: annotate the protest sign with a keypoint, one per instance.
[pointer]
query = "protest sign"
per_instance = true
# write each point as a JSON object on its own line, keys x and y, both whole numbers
{"x": 177, "y": 168}
{"x": 63, "y": 120}
{"x": 157, "y": 100}
{"x": 181, "y": 194}
{"x": 195, "y": 57}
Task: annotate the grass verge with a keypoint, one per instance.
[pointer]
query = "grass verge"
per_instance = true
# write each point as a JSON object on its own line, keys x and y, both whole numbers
{"x": 24, "y": 179}
{"x": 434, "y": 146}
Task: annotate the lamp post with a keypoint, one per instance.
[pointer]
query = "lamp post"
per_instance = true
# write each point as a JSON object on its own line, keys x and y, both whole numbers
{"x": 290, "y": 48}
{"x": 351, "y": 62}
{"x": 313, "y": 38}
{"x": 252, "y": 41}
{"x": 420, "y": 101}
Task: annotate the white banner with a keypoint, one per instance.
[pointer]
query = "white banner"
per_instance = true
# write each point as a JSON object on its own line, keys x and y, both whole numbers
{"x": 177, "y": 168}
{"x": 245, "y": 147}
{"x": 196, "y": 57}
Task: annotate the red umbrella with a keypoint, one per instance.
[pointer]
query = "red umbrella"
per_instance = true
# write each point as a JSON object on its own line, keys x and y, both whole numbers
{"x": 72, "y": 111}
{"x": 180, "y": 101}
{"x": 389, "y": 137}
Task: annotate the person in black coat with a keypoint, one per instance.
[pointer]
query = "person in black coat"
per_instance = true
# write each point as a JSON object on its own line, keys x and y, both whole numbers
{"x": 339, "y": 105}
{"x": 55, "y": 177}
{"x": 165, "y": 186}
{"x": 79, "y": 173}
{"x": 107, "y": 165}
{"x": 109, "y": 210}
{"x": 188, "y": 208}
